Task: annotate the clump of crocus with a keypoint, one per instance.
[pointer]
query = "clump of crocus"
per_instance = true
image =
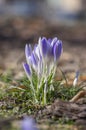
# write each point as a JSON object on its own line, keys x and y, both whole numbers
{"x": 41, "y": 64}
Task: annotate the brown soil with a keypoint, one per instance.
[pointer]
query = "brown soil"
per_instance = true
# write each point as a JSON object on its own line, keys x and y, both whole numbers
{"x": 65, "y": 110}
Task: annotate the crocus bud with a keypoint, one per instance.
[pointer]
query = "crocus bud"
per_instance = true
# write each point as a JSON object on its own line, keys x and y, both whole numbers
{"x": 76, "y": 78}
{"x": 43, "y": 46}
{"x": 57, "y": 50}
{"x": 28, "y": 50}
{"x": 27, "y": 69}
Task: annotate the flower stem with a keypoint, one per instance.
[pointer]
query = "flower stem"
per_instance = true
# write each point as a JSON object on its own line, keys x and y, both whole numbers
{"x": 45, "y": 92}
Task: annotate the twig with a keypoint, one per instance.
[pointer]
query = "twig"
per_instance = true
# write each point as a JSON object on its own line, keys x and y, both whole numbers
{"x": 78, "y": 96}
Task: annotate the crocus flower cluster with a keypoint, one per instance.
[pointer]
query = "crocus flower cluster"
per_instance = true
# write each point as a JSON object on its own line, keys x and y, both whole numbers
{"x": 42, "y": 60}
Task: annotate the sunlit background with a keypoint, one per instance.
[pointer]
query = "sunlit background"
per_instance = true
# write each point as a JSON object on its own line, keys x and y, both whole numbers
{"x": 47, "y": 9}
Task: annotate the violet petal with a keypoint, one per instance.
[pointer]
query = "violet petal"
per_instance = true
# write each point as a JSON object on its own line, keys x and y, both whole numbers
{"x": 57, "y": 50}
{"x": 54, "y": 41}
{"x": 28, "y": 124}
{"x": 44, "y": 46}
{"x": 49, "y": 40}
{"x": 27, "y": 69}
{"x": 33, "y": 58}
{"x": 28, "y": 50}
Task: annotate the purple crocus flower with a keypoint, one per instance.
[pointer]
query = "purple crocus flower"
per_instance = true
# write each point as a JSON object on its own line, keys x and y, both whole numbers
{"x": 28, "y": 50}
{"x": 47, "y": 51}
{"x": 27, "y": 69}
{"x": 28, "y": 124}
{"x": 51, "y": 45}
{"x": 43, "y": 61}
{"x": 44, "y": 45}
{"x": 57, "y": 50}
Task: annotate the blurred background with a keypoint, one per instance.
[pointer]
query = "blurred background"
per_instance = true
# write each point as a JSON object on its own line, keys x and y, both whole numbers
{"x": 47, "y": 9}
{"x": 24, "y": 21}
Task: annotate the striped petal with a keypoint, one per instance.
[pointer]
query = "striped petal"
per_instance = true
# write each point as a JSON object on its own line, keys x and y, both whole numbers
{"x": 54, "y": 41}
{"x": 57, "y": 50}
{"x": 27, "y": 69}
{"x": 28, "y": 50}
{"x": 43, "y": 46}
